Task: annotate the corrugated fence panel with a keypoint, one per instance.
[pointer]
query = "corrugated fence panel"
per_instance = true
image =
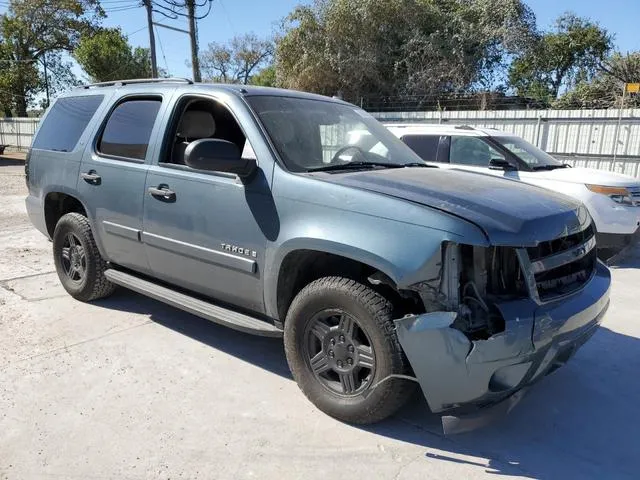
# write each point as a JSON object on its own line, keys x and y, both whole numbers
{"x": 17, "y": 132}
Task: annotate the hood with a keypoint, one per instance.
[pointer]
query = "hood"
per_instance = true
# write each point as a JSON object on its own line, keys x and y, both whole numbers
{"x": 589, "y": 175}
{"x": 509, "y": 212}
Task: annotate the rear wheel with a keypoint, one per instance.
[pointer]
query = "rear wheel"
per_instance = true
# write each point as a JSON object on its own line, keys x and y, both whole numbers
{"x": 340, "y": 342}
{"x": 77, "y": 259}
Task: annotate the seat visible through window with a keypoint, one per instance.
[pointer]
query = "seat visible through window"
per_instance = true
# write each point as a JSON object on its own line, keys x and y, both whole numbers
{"x": 194, "y": 125}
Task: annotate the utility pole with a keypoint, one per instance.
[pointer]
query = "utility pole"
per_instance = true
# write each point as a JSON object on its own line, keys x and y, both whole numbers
{"x": 195, "y": 63}
{"x": 152, "y": 39}
{"x": 46, "y": 76}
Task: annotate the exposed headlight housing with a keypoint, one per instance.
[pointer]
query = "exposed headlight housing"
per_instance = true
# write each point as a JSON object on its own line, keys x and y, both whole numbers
{"x": 620, "y": 195}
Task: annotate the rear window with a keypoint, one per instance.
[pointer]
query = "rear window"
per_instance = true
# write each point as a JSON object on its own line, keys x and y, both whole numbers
{"x": 128, "y": 129}
{"x": 426, "y": 146}
{"x": 65, "y": 123}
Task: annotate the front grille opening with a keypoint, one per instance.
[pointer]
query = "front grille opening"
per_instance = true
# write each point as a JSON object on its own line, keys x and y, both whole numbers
{"x": 561, "y": 244}
{"x": 505, "y": 279}
{"x": 567, "y": 278}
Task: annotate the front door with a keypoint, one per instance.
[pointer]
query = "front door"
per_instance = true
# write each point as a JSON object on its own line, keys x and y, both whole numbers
{"x": 112, "y": 178}
{"x": 207, "y": 231}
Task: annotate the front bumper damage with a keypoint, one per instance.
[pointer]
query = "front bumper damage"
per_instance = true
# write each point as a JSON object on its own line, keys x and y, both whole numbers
{"x": 472, "y": 382}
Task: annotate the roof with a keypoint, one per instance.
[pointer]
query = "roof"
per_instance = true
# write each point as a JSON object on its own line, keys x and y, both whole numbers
{"x": 186, "y": 84}
{"x": 442, "y": 129}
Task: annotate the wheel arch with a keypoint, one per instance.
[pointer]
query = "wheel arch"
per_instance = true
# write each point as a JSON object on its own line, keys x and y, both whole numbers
{"x": 58, "y": 203}
{"x": 302, "y": 261}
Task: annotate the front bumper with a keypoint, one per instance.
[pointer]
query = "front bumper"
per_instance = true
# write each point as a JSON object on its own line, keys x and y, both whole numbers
{"x": 615, "y": 245}
{"x": 461, "y": 376}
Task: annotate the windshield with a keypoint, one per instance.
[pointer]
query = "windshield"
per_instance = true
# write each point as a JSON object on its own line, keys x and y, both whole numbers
{"x": 528, "y": 153}
{"x": 315, "y": 134}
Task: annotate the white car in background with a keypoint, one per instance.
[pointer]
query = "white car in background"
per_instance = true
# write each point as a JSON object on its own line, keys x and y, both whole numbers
{"x": 613, "y": 199}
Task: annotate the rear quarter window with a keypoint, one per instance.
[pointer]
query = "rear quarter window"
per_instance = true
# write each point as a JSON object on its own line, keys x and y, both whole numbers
{"x": 64, "y": 124}
{"x": 426, "y": 146}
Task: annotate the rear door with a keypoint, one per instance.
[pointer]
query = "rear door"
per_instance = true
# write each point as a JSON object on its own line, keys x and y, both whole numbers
{"x": 113, "y": 174}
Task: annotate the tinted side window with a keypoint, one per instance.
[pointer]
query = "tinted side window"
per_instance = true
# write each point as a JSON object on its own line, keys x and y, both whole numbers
{"x": 472, "y": 151}
{"x": 128, "y": 129}
{"x": 426, "y": 146}
{"x": 65, "y": 123}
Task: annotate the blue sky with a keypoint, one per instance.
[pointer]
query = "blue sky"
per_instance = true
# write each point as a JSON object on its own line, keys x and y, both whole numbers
{"x": 230, "y": 17}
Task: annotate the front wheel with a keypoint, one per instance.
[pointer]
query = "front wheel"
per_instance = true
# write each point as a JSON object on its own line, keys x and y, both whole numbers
{"x": 340, "y": 342}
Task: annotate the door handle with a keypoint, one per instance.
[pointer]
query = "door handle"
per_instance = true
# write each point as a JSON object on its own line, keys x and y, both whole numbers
{"x": 162, "y": 192}
{"x": 91, "y": 177}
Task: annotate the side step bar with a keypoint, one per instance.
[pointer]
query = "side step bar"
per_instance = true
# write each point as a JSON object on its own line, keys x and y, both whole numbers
{"x": 200, "y": 308}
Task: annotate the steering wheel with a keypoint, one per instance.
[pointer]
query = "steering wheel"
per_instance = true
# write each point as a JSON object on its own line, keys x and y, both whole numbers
{"x": 346, "y": 148}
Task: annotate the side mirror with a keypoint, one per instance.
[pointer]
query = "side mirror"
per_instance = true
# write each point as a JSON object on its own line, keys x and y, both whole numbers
{"x": 500, "y": 164}
{"x": 218, "y": 155}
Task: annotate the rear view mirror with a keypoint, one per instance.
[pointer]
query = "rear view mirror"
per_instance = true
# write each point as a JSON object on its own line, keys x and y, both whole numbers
{"x": 218, "y": 155}
{"x": 500, "y": 164}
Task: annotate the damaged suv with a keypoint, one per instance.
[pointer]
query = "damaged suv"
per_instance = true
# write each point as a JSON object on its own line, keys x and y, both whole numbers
{"x": 252, "y": 207}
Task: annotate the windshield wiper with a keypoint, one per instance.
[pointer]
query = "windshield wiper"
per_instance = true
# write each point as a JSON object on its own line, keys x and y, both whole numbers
{"x": 550, "y": 167}
{"x": 368, "y": 165}
{"x": 419, "y": 164}
{"x": 354, "y": 166}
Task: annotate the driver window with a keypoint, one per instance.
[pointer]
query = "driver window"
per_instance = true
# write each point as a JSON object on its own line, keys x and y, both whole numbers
{"x": 472, "y": 151}
{"x": 205, "y": 119}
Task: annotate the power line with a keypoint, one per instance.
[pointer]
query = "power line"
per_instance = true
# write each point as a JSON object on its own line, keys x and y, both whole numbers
{"x": 135, "y": 31}
{"x": 166, "y": 65}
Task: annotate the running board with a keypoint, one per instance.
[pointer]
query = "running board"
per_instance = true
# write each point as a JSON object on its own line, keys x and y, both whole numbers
{"x": 200, "y": 308}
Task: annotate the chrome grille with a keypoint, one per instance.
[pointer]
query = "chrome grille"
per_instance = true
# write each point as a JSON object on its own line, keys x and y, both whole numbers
{"x": 563, "y": 265}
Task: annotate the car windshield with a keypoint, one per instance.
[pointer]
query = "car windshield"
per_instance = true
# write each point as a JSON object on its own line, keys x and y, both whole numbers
{"x": 528, "y": 153}
{"x": 324, "y": 135}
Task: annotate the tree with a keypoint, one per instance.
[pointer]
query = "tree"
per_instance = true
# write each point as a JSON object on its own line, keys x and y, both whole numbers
{"x": 561, "y": 58}
{"x": 31, "y": 31}
{"x": 236, "y": 61}
{"x": 107, "y": 55}
{"x": 265, "y": 77}
{"x": 605, "y": 89}
{"x": 399, "y": 47}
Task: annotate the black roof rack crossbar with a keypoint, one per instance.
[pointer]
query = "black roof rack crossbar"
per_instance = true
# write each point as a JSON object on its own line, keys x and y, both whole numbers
{"x": 134, "y": 81}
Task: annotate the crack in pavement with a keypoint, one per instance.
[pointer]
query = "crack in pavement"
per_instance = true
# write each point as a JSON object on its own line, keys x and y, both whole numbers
{"x": 65, "y": 348}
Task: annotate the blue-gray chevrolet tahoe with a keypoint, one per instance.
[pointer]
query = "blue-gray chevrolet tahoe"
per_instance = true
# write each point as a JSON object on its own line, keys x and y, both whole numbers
{"x": 258, "y": 209}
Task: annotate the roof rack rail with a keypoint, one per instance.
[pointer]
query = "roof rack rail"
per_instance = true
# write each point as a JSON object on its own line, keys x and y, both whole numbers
{"x": 134, "y": 81}
{"x": 464, "y": 127}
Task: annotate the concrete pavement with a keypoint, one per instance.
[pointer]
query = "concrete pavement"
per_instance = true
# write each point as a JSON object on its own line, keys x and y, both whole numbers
{"x": 129, "y": 388}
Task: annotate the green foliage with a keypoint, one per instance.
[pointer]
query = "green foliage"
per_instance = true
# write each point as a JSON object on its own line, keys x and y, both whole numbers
{"x": 31, "y": 32}
{"x": 235, "y": 61}
{"x": 399, "y": 47}
{"x": 605, "y": 89}
{"x": 107, "y": 55}
{"x": 561, "y": 58}
{"x": 265, "y": 77}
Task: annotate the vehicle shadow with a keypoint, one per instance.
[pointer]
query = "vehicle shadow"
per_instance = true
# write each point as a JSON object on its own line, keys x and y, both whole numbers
{"x": 265, "y": 352}
{"x": 580, "y": 422}
{"x": 630, "y": 259}
{"x": 10, "y": 162}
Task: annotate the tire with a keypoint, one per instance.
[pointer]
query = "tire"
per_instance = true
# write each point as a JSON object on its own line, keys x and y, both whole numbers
{"x": 307, "y": 341}
{"x": 75, "y": 250}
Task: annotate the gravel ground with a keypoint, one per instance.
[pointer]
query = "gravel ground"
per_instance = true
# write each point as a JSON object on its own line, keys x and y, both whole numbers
{"x": 127, "y": 388}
